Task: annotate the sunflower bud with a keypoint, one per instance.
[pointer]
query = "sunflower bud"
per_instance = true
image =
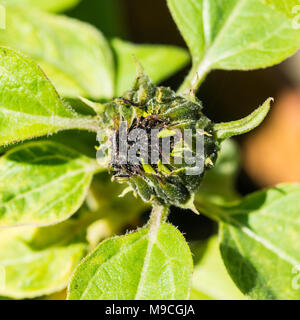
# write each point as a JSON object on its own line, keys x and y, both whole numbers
{"x": 160, "y": 143}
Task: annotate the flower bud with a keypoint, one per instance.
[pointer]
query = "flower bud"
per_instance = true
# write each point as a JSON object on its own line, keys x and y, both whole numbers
{"x": 161, "y": 143}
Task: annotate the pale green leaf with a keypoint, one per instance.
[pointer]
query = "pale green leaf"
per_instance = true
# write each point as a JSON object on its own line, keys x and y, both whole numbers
{"x": 29, "y": 104}
{"x": 74, "y": 55}
{"x": 42, "y": 183}
{"x": 260, "y": 243}
{"x": 48, "y": 5}
{"x": 210, "y": 279}
{"x": 227, "y": 130}
{"x": 39, "y": 261}
{"x": 140, "y": 265}
{"x": 288, "y": 7}
{"x": 159, "y": 61}
{"x": 233, "y": 35}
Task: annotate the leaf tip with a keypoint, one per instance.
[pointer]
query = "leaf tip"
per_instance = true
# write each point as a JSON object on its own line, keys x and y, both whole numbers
{"x": 226, "y": 130}
{"x": 139, "y": 68}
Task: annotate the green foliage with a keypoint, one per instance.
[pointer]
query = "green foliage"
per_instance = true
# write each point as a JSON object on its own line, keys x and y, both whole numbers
{"x": 230, "y": 129}
{"x": 52, "y": 6}
{"x": 34, "y": 267}
{"x": 106, "y": 199}
{"x": 234, "y": 34}
{"x": 29, "y": 104}
{"x": 59, "y": 182}
{"x": 286, "y": 7}
{"x": 147, "y": 264}
{"x": 210, "y": 279}
{"x": 159, "y": 62}
{"x": 57, "y": 43}
{"x": 260, "y": 243}
{"x": 218, "y": 185}
{"x": 42, "y": 183}
{"x": 74, "y": 55}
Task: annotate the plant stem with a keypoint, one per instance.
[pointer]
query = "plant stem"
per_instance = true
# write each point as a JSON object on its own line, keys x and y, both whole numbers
{"x": 89, "y": 124}
{"x": 195, "y": 77}
{"x": 159, "y": 215}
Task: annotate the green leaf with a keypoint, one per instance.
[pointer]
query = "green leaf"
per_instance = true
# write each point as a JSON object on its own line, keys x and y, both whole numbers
{"x": 140, "y": 265}
{"x": 74, "y": 55}
{"x": 29, "y": 104}
{"x": 233, "y": 128}
{"x": 42, "y": 183}
{"x": 218, "y": 185}
{"x": 210, "y": 279}
{"x": 233, "y": 35}
{"x": 109, "y": 16}
{"x": 159, "y": 61}
{"x": 286, "y": 6}
{"x": 52, "y": 6}
{"x": 81, "y": 141}
{"x": 40, "y": 261}
{"x": 260, "y": 243}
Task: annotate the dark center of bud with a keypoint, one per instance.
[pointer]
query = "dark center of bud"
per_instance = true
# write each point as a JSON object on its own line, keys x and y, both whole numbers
{"x": 146, "y": 149}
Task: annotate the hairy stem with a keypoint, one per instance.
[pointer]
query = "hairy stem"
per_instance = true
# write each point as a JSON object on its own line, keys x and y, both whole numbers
{"x": 195, "y": 78}
{"x": 89, "y": 124}
{"x": 159, "y": 215}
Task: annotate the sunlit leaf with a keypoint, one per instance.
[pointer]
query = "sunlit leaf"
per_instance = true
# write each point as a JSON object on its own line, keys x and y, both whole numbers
{"x": 234, "y": 34}
{"x": 74, "y": 55}
{"x": 52, "y": 5}
{"x": 29, "y": 104}
{"x": 260, "y": 243}
{"x": 139, "y": 265}
{"x": 288, "y": 7}
{"x": 42, "y": 183}
{"x": 210, "y": 279}
{"x": 39, "y": 261}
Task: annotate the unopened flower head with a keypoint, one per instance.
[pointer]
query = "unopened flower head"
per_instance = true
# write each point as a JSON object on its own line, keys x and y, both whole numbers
{"x": 158, "y": 142}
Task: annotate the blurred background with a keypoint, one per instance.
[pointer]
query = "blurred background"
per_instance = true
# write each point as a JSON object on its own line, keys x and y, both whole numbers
{"x": 270, "y": 155}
